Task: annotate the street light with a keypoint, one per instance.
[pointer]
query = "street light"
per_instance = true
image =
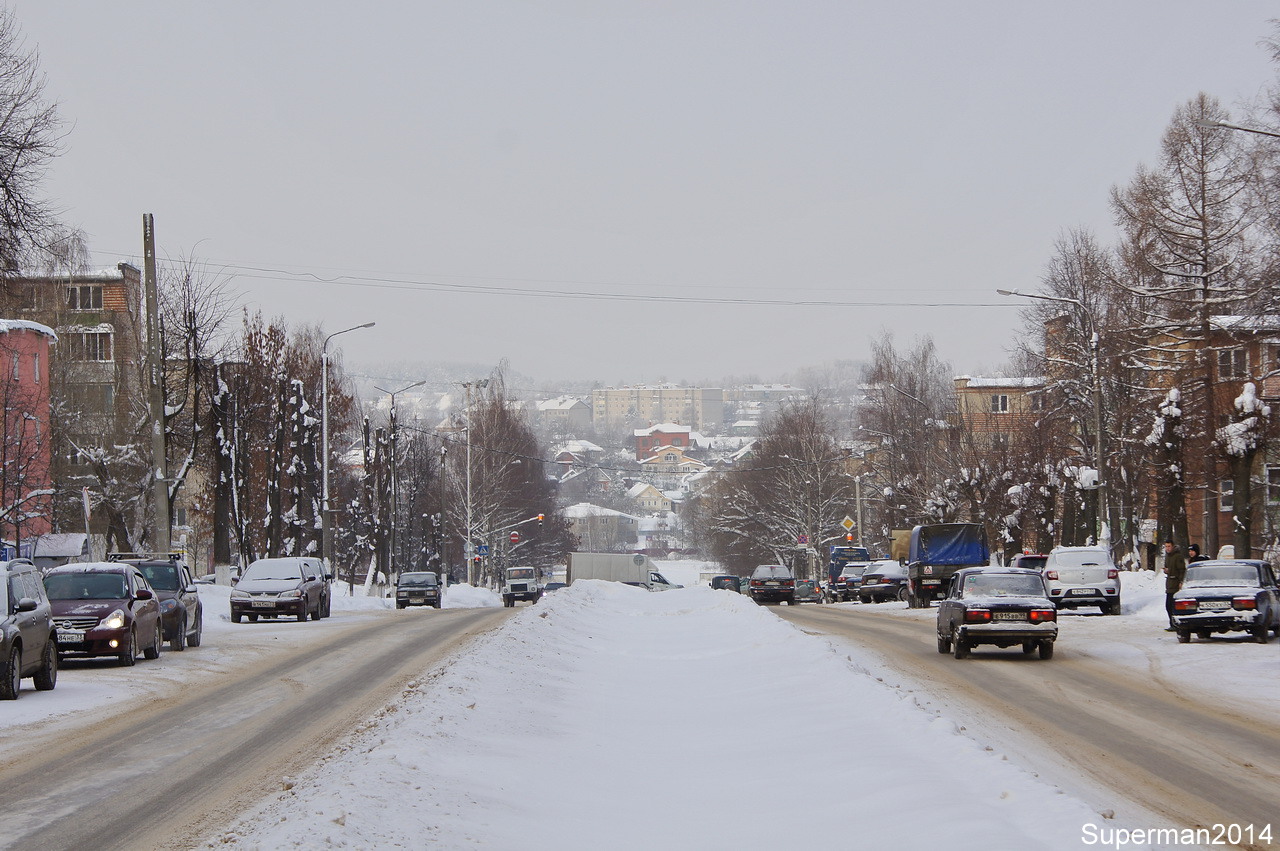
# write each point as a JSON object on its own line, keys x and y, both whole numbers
{"x": 395, "y": 487}
{"x": 1096, "y": 392}
{"x": 326, "y": 527}
{"x": 472, "y": 573}
{"x": 1223, "y": 125}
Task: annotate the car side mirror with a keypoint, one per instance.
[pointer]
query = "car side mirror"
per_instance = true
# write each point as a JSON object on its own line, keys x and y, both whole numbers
{"x": 27, "y": 604}
{"x": 311, "y": 578}
{"x": 190, "y": 589}
{"x": 328, "y": 577}
{"x": 144, "y": 594}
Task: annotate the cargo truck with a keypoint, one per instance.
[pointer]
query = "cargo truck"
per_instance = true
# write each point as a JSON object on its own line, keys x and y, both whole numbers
{"x": 936, "y": 553}
{"x": 617, "y": 567}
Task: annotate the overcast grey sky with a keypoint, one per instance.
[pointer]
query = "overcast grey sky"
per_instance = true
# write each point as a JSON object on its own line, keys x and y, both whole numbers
{"x": 456, "y": 163}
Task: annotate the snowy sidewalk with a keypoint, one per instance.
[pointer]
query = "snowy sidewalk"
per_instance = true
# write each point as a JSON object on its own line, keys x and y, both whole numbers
{"x": 606, "y": 716}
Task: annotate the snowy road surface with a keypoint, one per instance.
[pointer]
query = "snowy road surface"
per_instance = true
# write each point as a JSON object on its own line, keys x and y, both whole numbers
{"x": 147, "y": 757}
{"x": 608, "y": 717}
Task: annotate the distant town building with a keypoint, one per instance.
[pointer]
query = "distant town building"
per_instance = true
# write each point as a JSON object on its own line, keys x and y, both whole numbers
{"x": 564, "y": 414}
{"x": 26, "y": 484}
{"x": 698, "y": 407}
{"x": 664, "y": 434}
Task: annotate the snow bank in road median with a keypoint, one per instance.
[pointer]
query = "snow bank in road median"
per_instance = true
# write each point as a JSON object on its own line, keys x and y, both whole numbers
{"x": 463, "y": 596}
{"x": 609, "y": 716}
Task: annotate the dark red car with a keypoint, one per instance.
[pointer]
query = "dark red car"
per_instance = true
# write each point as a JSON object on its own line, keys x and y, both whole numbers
{"x": 104, "y": 609}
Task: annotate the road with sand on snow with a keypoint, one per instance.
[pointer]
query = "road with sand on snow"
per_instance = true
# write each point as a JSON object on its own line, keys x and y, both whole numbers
{"x": 169, "y": 771}
{"x": 1195, "y": 760}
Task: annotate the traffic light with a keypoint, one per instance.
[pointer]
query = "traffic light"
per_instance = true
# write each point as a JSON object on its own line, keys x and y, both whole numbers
{"x": 540, "y": 518}
{"x": 848, "y": 536}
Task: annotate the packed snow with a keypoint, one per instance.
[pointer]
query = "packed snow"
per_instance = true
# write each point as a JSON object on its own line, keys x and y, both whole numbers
{"x": 609, "y": 716}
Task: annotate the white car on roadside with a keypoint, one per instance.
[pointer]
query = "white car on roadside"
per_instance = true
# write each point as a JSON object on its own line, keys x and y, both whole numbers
{"x": 1083, "y": 576}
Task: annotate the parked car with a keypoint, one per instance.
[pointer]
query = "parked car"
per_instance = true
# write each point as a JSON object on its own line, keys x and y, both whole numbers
{"x": 807, "y": 591}
{"x": 773, "y": 583}
{"x": 556, "y": 586}
{"x": 1083, "y": 576}
{"x": 28, "y": 639}
{"x": 273, "y": 587}
{"x": 1236, "y": 595}
{"x": 104, "y": 609}
{"x": 849, "y": 581}
{"x": 181, "y": 613}
{"x": 1029, "y": 561}
{"x": 883, "y": 580}
{"x": 729, "y": 583}
{"x": 418, "y": 589}
{"x": 1003, "y": 606}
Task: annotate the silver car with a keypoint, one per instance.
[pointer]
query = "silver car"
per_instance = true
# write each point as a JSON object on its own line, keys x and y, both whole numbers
{"x": 1083, "y": 576}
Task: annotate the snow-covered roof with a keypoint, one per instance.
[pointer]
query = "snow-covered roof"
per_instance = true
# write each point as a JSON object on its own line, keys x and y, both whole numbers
{"x": 7, "y": 325}
{"x": 665, "y": 428}
{"x": 1000, "y": 381}
{"x": 639, "y": 488}
{"x": 560, "y": 403}
{"x": 584, "y": 510}
{"x": 1266, "y": 322}
{"x": 578, "y": 447}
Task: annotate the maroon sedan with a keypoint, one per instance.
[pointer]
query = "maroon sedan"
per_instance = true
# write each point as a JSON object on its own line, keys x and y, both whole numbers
{"x": 104, "y": 609}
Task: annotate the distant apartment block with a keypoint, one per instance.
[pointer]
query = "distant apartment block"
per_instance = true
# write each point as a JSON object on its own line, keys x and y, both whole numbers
{"x": 701, "y": 408}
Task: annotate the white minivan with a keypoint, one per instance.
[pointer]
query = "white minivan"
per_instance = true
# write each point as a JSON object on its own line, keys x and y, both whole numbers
{"x": 1083, "y": 576}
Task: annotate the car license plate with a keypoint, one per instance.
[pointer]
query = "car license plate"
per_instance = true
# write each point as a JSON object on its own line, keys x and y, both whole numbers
{"x": 1008, "y": 616}
{"x": 264, "y": 604}
{"x": 1081, "y": 592}
{"x": 1215, "y": 605}
{"x": 417, "y": 599}
{"x": 771, "y": 583}
{"x": 70, "y": 636}
{"x": 931, "y": 582}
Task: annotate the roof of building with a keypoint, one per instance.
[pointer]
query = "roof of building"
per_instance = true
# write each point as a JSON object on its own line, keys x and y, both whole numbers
{"x": 561, "y": 403}
{"x": 583, "y": 510}
{"x": 1001, "y": 381}
{"x": 664, "y": 428}
{"x": 7, "y": 325}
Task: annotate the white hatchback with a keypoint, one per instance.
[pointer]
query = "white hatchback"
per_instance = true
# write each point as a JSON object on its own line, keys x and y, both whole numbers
{"x": 1083, "y": 576}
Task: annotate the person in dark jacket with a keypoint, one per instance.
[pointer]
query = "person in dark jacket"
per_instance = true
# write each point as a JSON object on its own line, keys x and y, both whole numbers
{"x": 1193, "y": 554}
{"x": 1175, "y": 570}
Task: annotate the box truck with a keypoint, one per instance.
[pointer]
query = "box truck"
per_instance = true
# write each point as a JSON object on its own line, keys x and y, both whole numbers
{"x": 617, "y": 567}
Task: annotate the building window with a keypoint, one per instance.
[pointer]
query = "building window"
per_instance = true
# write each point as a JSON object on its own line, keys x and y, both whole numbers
{"x": 35, "y": 367}
{"x": 87, "y": 297}
{"x": 17, "y": 367}
{"x": 1227, "y": 495}
{"x": 1232, "y": 363}
{"x": 1273, "y": 485}
{"x": 1000, "y": 403}
{"x": 92, "y": 398}
{"x": 93, "y": 346}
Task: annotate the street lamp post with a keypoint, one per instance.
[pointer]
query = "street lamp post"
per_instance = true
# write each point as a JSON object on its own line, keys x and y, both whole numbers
{"x": 326, "y": 522}
{"x": 469, "y": 543}
{"x": 393, "y": 569}
{"x": 1200, "y": 122}
{"x": 1096, "y": 393}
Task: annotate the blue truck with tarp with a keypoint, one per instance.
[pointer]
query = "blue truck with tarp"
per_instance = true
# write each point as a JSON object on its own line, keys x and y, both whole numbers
{"x": 936, "y": 552}
{"x": 843, "y": 555}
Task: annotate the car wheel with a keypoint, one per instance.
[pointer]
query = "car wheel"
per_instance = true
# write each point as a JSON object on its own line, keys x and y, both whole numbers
{"x": 1184, "y": 636}
{"x": 11, "y": 676}
{"x": 1261, "y": 633}
{"x": 129, "y": 656}
{"x": 959, "y": 647}
{"x": 179, "y": 641}
{"x": 1112, "y": 608}
{"x": 47, "y": 677}
{"x": 302, "y": 615}
{"x": 902, "y": 595}
{"x": 1046, "y": 649}
{"x": 193, "y": 640}
{"x": 327, "y": 608}
{"x": 865, "y": 600}
{"x": 944, "y": 645}
{"x": 153, "y": 652}
{"x": 319, "y": 612}
{"x": 253, "y": 618}
{"x": 400, "y": 605}
{"x": 1028, "y": 647}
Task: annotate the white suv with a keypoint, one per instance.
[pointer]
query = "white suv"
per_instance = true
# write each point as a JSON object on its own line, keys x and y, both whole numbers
{"x": 1083, "y": 576}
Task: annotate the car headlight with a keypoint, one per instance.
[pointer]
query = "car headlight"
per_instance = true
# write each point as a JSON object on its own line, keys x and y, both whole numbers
{"x": 291, "y": 595}
{"x": 115, "y": 620}
{"x": 240, "y": 595}
{"x": 168, "y": 605}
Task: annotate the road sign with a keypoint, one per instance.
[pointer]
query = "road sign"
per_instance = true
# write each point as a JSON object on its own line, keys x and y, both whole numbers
{"x": 847, "y": 523}
{"x": 802, "y": 539}
{"x": 482, "y": 549}
{"x": 515, "y": 537}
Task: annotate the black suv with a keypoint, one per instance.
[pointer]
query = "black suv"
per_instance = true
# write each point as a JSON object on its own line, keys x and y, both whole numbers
{"x": 181, "y": 613}
{"x": 773, "y": 583}
{"x": 28, "y": 639}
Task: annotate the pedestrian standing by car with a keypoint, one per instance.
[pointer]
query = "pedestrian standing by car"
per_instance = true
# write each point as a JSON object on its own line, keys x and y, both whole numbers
{"x": 1175, "y": 569}
{"x": 1193, "y": 554}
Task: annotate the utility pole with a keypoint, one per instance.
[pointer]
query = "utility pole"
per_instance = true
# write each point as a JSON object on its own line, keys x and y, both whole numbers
{"x": 155, "y": 375}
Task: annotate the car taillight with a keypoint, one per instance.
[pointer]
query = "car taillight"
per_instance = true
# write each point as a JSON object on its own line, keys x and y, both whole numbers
{"x": 790, "y": 583}
{"x": 1043, "y": 615}
{"x": 1113, "y": 574}
{"x": 977, "y": 616}
{"x": 1244, "y": 603}
{"x": 1051, "y": 574}
{"x": 756, "y": 582}
{"x": 1186, "y": 605}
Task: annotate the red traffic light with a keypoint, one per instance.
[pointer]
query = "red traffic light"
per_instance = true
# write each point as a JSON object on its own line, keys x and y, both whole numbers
{"x": 515, "y": 537}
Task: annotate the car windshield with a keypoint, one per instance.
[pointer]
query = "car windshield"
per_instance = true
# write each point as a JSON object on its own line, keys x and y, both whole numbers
{"x": 1243, "y": 576}
{"x": 854, "y": 572}
{"x": 418, "y": 579}
{"x": 1003, "y": 585}
{"x": 520, "y": 573}
{"x": 85, "y": 586}
{"x": 771, "y": 571}
{"x": 267, "y": 569}
{"x": 888, "y": 568}
{"x": 1078, "y": 558}
{"x": 1032, "y": 562}
{"x": 163, "y": 577}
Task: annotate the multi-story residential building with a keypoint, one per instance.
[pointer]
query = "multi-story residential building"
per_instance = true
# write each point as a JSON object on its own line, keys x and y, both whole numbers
{"x": 648, "y": 499}
{"x": 701, "y": 408}
{"x": 26, "y": 510}
{"x": 998, "y": 406}
{"x": 563, "y": 415}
